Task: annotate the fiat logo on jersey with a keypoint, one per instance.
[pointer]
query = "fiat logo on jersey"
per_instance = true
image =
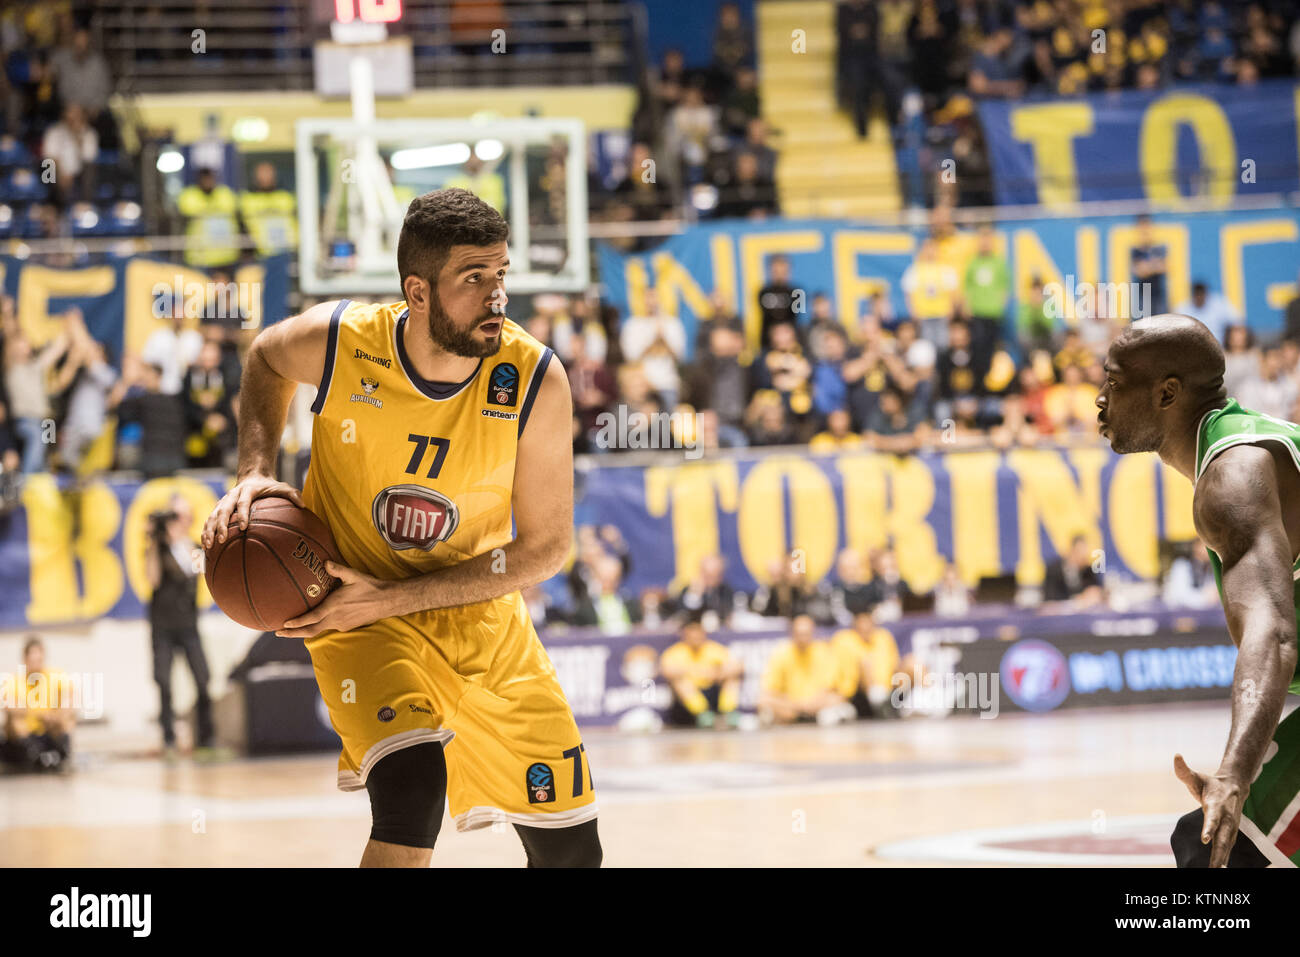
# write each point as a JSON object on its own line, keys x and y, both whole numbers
{"x": 1035, "y": 675}
{"x": 412, "y": 516}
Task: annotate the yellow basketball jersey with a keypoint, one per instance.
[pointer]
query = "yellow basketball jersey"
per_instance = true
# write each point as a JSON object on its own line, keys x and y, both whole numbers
{"x": 412, "y": 475}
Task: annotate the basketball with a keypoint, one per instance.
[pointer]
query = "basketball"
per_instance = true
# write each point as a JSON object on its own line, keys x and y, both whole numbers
{"x": 274, "y": 570}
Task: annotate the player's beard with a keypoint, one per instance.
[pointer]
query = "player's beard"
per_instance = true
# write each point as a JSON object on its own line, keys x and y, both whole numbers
{"x": 1146, "y": 439}
{"x": 461, "y": 342}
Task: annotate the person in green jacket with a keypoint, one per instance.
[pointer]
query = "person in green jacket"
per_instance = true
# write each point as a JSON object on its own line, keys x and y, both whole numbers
{"x": 987, "y": 288}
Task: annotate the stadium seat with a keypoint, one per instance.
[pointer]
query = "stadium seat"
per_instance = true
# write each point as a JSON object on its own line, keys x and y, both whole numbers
{"x": 125, "y": 219}
{"x": 85, "y": 220}
{"x": 13, "y": 152}
{"x": 32, "y": 223}
{"x": 23, "y": 185}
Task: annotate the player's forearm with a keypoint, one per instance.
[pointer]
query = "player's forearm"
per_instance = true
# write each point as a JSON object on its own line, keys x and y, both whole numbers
{"x": 490, "y": 575}
{"x": 263, "y": 411}
{"x": 1266, "y": 663}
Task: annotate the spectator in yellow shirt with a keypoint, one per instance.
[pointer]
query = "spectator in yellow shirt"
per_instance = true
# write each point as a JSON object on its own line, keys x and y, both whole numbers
{"x": 1071, "y": 403}
{"x": 37, "y": 724}
{"x": 951, "y": 247}
{"x": 866, "y": 658}
{"x": 799, "y": 681}
{"x": 1073, "y": 352}
{"x": 839, "y": 434}
{"x": 705, "y": 679}
{"x": 933, "y": 294}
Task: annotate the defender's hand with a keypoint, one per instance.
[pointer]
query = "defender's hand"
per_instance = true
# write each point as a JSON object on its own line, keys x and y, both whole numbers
{"x": 1221, "y": 799}
{"x": 359, "y": 601}
{"x": 239, "y": 499}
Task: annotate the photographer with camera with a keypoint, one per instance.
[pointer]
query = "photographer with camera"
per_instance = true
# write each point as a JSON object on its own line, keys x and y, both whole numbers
{"x": 173, "y": 566}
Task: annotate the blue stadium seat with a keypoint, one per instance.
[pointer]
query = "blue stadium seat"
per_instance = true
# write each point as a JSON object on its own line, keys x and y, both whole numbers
{"x": 85, "y": 219}
{"x": 24, "y": 185}
{"x": 31, "y": 226}
{"x": 13, "y": 152}
{"x": 125, "y": 219}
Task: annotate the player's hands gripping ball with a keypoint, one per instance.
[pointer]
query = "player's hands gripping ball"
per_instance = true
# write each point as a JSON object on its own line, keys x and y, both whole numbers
{"x": 267, "y": 556}
{"x": 360, "y": 600}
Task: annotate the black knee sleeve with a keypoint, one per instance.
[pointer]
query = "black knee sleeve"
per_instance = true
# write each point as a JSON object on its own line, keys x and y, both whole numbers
{"x": 577, "y": 846}
{"x": 1190, "y": 852}
{"x": 408, "y": 790}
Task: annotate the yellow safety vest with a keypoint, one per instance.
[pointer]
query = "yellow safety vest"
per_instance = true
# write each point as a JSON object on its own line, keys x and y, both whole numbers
{"x": 212, "y": 233}
{"x": 271, "y": 218}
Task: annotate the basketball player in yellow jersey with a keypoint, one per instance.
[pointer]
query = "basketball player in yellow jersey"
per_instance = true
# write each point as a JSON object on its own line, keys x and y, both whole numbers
{"x": 438, "y": 421}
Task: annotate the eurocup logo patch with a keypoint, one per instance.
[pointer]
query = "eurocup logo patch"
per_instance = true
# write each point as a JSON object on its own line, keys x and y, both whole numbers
{"x": 386, "y": 714}
{"x": 503, "y": 385}
{"x": 1035, "y": 675}
{"x": 540, "y": 781}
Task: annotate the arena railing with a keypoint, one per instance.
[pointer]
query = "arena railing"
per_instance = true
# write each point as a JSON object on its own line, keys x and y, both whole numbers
{"x": 250, "y": 45}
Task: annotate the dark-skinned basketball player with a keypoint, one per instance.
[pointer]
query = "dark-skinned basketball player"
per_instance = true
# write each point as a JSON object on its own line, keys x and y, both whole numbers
{"x": 1164, "y": 393}
{"x": 438, "y": 423}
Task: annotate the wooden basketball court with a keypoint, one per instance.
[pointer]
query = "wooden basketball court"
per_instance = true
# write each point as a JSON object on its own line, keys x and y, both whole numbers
{"x": 1081, "y": 787}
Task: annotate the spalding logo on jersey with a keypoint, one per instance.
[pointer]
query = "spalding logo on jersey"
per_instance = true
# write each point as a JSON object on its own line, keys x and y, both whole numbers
{"x": 412, "y": 516}
{"x": 503, "y": 386}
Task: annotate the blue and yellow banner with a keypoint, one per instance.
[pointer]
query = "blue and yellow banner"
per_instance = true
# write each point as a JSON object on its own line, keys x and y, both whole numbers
{"x": 1212, "y": 142}
{"x": 853, "y": 263}
{"x": 72, "y": 556}
{"x": 68, "y": 557}
{"x": 124, "y": 300}
{"x": 990, "y": 512}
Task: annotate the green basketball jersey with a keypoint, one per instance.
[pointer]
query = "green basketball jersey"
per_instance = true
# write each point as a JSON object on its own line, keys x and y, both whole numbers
{"x": 1232, "y": 425}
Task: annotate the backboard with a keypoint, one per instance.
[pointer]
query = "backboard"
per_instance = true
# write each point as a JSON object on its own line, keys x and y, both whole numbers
{"x": 355, "y": 180}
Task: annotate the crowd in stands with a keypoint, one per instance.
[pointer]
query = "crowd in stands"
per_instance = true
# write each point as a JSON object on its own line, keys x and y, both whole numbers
{"x": 62, "y": 171}
{"x": 698, "y": 138}
{"x": 594, "y": 593}
{"x": 923, "y": 63}
{"x": 65, "y": 406}
{"x": 700, "y": 147}
{"x": 968, "y": 362}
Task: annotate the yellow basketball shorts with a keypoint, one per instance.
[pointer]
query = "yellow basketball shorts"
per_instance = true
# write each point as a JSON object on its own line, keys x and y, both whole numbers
{"x": 477, "y": 679}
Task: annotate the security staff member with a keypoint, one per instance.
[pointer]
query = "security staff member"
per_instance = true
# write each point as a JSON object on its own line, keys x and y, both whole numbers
{"x": 212, "y": 232}
{"x": 270, "y": 213}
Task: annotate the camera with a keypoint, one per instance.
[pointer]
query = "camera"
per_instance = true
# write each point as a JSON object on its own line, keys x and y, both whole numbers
{"x": 158, "y": 522}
